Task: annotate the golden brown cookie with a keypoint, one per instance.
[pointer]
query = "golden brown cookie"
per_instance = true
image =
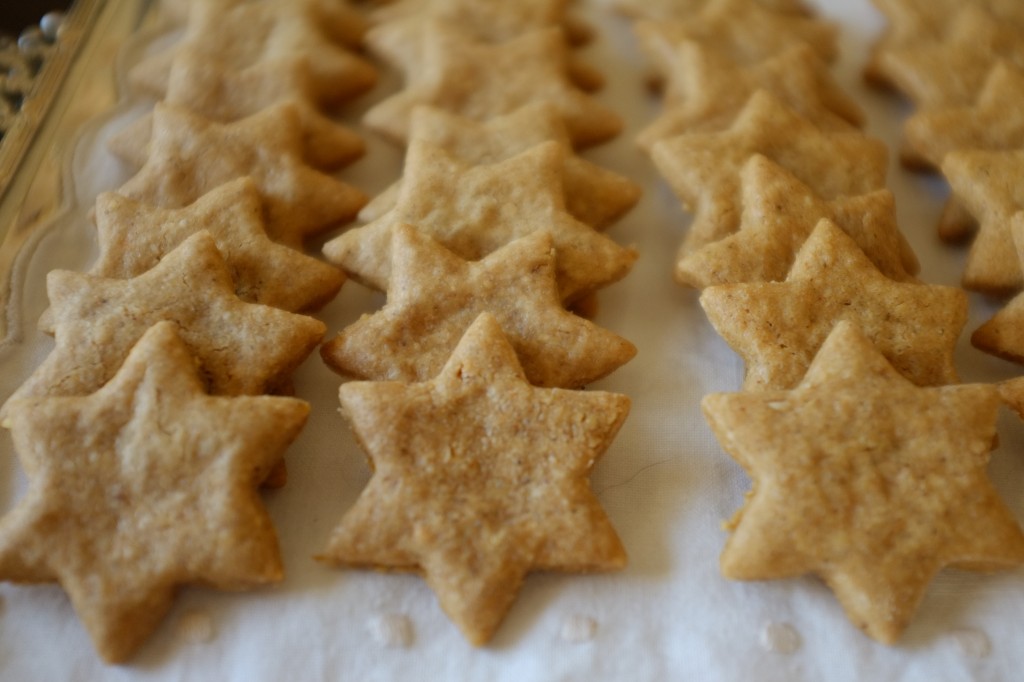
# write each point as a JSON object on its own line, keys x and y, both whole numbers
{"x": 779, "y": 214}
{"x": 988, "y": 184}
{"x": 145, "y": 485}
{"x": 593, "y": 195}
{"x": 434, "y": 295}
{"x": 480, "y": 80}
{"x": 1003, "y": 335}
{"x": 473, "y": 513}
{"x": 240, "y": 35}
{"x": 866, "y": 480}
{"x": 703, "y": 169}
{"x": 952, "y": 70}
{"x": 706, "y": 90}
{"x": 474, "y": 210}
{"x": 133, "y": 237}
{"x": 190, "y": 155}
{"x": 745, "y": 32}
{"x": 777, "y": 327}
{"x": 994, "y": 121}
{"x": 400, "y": 43}
{"x": 207, "y": 88}
{"x": 243, "y": 348}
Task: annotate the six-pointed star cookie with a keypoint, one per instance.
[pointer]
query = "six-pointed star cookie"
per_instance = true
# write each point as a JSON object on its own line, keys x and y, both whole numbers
{"x": 779, "y": 213}
{"x": 479, "y": 478}
{"x": 147, "y": 484}
{"x": 319, "y": 31}
{"x": 744, "y": 31}
{"x": 918, "y": 22}
{"x": 400, "y": 44}
{"x": 434, "y": 295}
{"x": 206, "y": 88}
{"x": 866, "y": 480}
{"x": 133, "y": 237}
{"x": 593, "y": 195}
{"x": 190, "y": 155}
{"x": 777, "y": 327}
{"x": 951, "y": 71}
{"x": 995, "y": 121}
{"x": 985, "y": 182}
{"x": 703, "y": 169}
{"x": 474, "y": 210}
{"x": 707, "y": 90}
{"x": 480, "y": 81}
{"x": 243, "y": 348}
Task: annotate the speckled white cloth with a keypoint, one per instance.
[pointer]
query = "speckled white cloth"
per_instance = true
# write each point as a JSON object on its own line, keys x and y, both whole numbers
{"x": 665, "y": 483}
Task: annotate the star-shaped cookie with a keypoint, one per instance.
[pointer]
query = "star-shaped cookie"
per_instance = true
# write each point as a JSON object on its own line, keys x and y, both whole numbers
{"x": 240, "y": 35}
{"x": 593, "y": 195}
{"x": 994, "y": 121}
{"x": 951, "y": 71}
{"x": 479, "y": 478}
{"x": 779, "y": 214}
{"x": 400, "y": 43}
{"x": 190, "y": 155}
{"x": 985, "y": 182}
{"x": 145, "y": 485}
{"x": 434, "y": 295}
{"x": 243, "y": 348}
{"x": 870, "y": 482}
{"x": 744, "y": 31}
{"x": 481, "y": 80}
{"x": 777, "y": 327}
{"x": 915, "y": 23}
{"x": 707, "y": 89}
{"x": 474, "y": 210}
{"x": 133, "y": 237}
{"x": 208, "y": 89}
{"x": 703, "y": 169}
{"x": 1003, "y": 335}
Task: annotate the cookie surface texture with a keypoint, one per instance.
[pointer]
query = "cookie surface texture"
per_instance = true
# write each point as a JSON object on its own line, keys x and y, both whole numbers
{"x": 134, "y": 237}
{"x": 244, "y": 348}
{"x": 703, "y": 169}
{"x": 779, "y": 213}
{"x": 190, "y": 156}
{"x": 988, "y": 184}
{"x": 479, "y": 478}
{"x": 777, "y": 327}
{"x": 476, "y": 209}
{"x": 866, "y": 480}
{"x": 480, "y": 81}
{"x": 434, "y": 296}
{"x": 145, "y": 485}
{"x": 593, "y": 195}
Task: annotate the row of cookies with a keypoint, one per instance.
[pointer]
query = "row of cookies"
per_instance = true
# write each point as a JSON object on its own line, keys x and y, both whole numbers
{"x": 492, "y": 230}
{"x": 962, "y": 66}
{"x": 144, "y": 433}
{"x": 804, "y": 272}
